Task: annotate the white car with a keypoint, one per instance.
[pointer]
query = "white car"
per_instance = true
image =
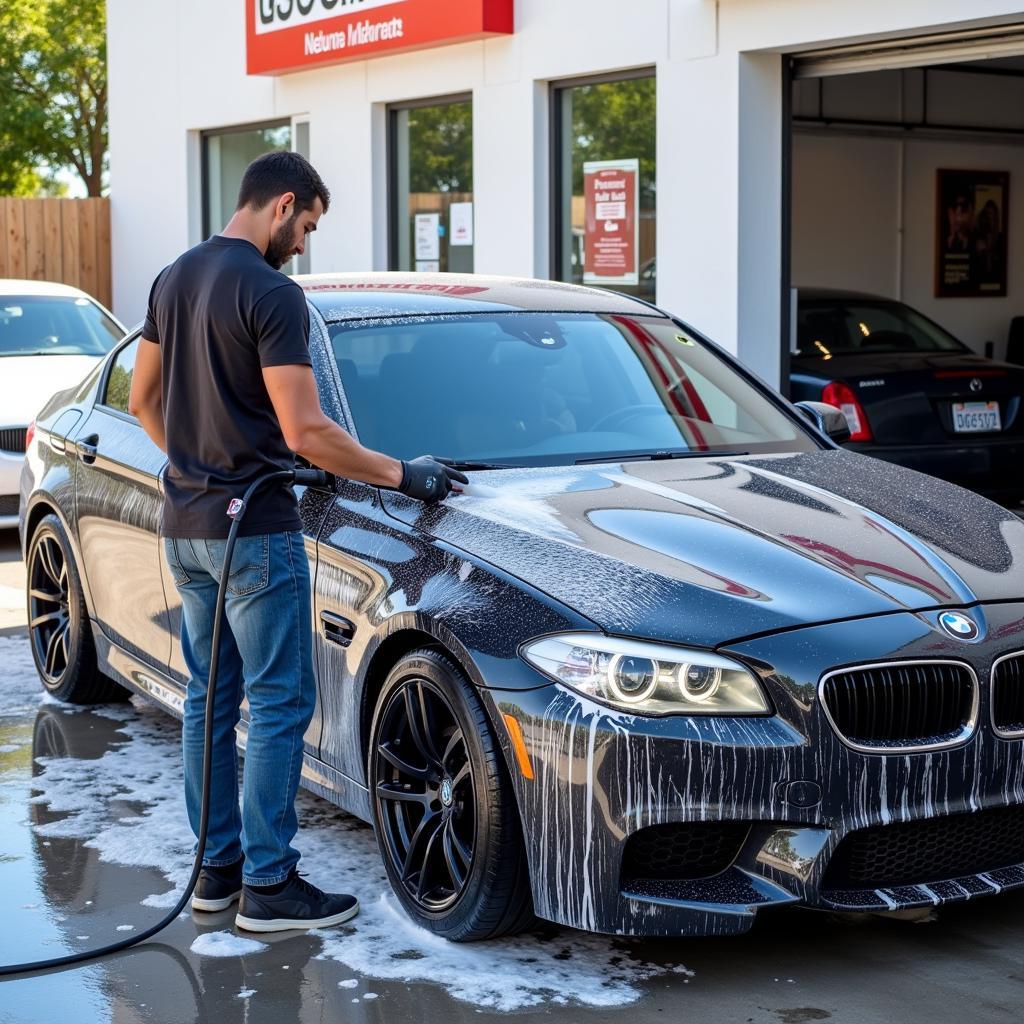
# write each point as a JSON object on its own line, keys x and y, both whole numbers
{"x": 51, "y": 336}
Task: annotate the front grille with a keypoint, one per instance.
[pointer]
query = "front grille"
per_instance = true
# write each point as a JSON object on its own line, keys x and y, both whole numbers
{"x": 932, "y": 850}
{"x": 684, "y": 850}
{"x": 902, "y": 705}
{"x": 1008, "y": 696}
{"x": 8, "y": 504}
{"x": 12, "y": 439}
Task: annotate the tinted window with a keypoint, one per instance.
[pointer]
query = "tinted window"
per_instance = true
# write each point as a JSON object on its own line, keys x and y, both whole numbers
{"x": 37, "y": 325}
{"x": 597, "y": 122}
{"x": 431, "y": 162}
{"x": 536, "y": 389}
{"x": 119, "y": 381}
{"x": 839, "y": 328}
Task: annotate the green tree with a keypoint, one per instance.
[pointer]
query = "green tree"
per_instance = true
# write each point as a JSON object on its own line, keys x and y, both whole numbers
{"x": 441, "y": 148}
{"x": 615, "y": 121}
{"x": 53, "y": 92}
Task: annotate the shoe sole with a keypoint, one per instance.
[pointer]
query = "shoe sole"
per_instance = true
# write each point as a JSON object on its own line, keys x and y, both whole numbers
{"x": 212, "y": 905}
{"x": 288, "y": 924}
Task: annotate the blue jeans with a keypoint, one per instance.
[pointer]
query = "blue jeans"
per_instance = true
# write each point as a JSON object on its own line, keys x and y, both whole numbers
{"x": 265, "y": 655}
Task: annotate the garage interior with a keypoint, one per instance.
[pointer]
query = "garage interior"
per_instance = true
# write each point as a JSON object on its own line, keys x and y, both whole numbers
{"x": 871, "y": 128}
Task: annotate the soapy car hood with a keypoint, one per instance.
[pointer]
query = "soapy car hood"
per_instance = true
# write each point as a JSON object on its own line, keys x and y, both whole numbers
{"x": 707, "y": 551}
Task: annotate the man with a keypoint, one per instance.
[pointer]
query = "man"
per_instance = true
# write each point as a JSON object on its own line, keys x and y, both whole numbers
{"x": 223, "y": 383}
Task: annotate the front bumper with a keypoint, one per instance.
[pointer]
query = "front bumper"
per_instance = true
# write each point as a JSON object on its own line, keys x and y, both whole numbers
{"x": 10, "y": 476}
{"x": 991, "y": 466}
{"x": 601, "y": 776}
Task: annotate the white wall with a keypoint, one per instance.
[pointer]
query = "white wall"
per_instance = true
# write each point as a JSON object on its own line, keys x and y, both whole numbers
{"x": 178, "y": 68}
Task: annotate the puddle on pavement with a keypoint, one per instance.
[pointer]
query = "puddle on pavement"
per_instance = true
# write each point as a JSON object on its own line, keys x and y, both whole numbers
{"x": 88, "y": 792}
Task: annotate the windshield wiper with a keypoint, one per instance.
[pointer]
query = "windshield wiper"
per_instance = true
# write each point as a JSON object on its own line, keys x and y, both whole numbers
{"x": 468, "y": 465}
{"x": 658, "y": 456}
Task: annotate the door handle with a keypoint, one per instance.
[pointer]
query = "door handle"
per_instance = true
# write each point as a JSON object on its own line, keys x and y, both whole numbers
{"x": 86, "y": 448}
{"x": 337, "y": 629}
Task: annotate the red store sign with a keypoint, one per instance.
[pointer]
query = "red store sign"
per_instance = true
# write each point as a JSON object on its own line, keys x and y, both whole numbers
{"x": 289, "y": 35}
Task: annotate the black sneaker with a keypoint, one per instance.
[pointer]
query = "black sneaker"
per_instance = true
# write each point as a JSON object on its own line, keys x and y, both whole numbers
{"x": 298, "y": 904}
{"x": 218, "y": 887}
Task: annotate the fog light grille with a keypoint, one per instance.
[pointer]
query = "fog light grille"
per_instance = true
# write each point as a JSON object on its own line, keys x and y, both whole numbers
{"x": 8, "y": 504}
{"x": 683, "y": 850}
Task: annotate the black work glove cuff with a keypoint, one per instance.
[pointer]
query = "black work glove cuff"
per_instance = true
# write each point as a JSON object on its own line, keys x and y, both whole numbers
{"x": 405, "y": 476}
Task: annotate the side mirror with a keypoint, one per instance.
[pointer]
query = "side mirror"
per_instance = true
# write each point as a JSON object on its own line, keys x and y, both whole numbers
{"x": 826, "y": 418}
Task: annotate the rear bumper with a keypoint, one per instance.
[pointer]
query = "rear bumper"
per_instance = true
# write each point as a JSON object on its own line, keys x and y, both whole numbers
{"x": 991, "y": 467}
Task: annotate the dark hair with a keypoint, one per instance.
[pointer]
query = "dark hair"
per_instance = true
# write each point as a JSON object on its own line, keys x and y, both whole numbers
{"x": 273, "y": 174}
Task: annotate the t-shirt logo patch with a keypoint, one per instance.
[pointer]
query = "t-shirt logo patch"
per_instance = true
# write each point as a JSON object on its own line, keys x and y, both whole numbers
{"x": 234, "y": 507}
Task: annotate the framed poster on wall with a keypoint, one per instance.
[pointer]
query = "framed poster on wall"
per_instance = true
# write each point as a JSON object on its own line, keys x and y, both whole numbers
{"x": 970, "y": 233}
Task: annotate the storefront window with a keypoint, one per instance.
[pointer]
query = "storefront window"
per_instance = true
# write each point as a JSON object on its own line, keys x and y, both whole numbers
{"x": 430, "y": 160}
{"x": 605, "y": 184}
{"x": 226, "y": 154}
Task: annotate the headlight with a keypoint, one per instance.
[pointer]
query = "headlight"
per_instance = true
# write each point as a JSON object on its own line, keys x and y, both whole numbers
{"x": 646, "y": 678}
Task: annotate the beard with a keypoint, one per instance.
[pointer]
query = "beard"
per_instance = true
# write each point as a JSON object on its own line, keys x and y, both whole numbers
{"x": 281, "y": 247}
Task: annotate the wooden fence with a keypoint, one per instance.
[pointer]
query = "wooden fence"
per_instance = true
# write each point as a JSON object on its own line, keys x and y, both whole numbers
{"x": 64, "y": 240}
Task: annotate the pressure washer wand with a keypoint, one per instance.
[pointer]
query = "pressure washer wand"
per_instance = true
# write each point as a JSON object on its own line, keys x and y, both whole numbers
{"x": 236, "y": 510}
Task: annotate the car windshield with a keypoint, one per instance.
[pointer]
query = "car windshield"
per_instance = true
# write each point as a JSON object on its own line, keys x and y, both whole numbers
{"x": 45, "y": 325}
{"x": 835, "y": 327}
{"x": 549, "y": 389}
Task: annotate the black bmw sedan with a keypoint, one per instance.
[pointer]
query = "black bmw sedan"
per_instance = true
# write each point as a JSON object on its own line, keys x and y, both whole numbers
{"x": 671, "y": 659}
{"x": 911, "y": 392}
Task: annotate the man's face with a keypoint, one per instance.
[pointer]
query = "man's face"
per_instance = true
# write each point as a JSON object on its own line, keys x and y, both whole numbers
{"x": 289, "y": 231}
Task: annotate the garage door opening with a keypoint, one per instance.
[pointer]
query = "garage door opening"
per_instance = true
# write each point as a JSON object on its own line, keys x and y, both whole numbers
{"x": 906, "y": 168}
{"x": 887, "y": 156}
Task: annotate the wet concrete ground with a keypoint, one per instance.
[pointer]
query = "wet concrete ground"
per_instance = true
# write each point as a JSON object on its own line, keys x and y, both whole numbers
{"x": 102, "y": 772}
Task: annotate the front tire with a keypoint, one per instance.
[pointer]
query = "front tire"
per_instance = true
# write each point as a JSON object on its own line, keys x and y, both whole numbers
{"x": 443, "y": 807}
{"x": 58, "y": 622}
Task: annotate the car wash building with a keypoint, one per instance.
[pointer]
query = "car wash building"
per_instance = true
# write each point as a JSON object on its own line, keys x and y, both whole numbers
{"x": 713, "y": 156}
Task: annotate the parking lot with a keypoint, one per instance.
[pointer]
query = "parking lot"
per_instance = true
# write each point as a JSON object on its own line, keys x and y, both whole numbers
{"x": 95, "y": 843}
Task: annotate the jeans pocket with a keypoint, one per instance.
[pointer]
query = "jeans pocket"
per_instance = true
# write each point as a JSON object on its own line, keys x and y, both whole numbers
{"x": 250, "y": 563}
{"x": 174, "y": 563}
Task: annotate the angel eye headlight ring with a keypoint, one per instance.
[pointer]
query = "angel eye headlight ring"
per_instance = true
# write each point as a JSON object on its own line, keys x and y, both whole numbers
{"x": 632, "y": 679}
{"x": 699, "y": 683}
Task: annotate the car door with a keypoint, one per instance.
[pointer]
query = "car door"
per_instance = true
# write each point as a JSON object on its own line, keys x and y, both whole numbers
{"x": 358, "y": 552}
{"x": 119, "y": 507}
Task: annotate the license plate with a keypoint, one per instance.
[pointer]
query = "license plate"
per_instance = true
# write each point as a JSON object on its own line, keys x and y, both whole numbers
{"x": 976, "y": 417}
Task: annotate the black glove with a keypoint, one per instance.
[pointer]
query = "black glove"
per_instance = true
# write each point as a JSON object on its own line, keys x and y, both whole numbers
{"x": 429, "y": 479}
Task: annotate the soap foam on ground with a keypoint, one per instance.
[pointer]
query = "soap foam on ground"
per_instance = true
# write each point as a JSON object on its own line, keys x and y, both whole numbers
{"x": 225, "y": 943}
{"x": 551, "y": 966}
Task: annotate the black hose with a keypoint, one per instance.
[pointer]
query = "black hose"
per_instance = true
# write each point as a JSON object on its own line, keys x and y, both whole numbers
{"x": 315, "y": 477}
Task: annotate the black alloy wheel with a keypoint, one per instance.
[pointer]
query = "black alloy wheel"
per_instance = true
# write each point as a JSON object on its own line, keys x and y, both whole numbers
{"x": 58, "y": 622}
{"x": 426, "y": 794}
{"x": 445, "y": 815}
{"x": 49, "y": 613}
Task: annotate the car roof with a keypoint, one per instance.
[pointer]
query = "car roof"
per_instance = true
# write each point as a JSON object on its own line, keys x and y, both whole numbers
{"x": 362, "y": 296}
{"x": 18, "y": 286}
{"x": 838, "y": 295}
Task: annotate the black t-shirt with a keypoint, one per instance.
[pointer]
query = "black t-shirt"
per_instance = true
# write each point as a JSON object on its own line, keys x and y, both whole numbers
{"x": 221, "y": 313}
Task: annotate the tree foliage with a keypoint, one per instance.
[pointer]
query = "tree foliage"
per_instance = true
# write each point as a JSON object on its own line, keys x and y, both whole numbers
{"x": 615, "y": 121}
{"x": 441, "y": 148}
{"x": 53, "y": 91}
